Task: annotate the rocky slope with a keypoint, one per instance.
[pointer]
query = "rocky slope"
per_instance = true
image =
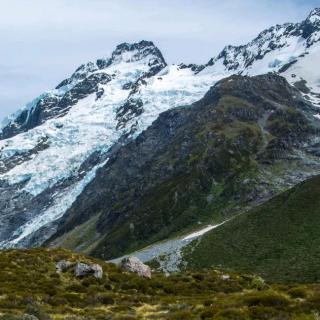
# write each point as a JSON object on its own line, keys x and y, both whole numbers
{"x": 246, "y": 140}
{"x": 279, "y": 240}
{"x": 52, "y": 148}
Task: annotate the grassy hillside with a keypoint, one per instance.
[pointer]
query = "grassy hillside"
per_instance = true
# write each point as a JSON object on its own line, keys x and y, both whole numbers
{"x": 279, "y": 240}
{"x": 30, "y": 285}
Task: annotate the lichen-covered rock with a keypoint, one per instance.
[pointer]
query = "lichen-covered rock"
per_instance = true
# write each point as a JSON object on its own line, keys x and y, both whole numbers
{"x": 83, "y": 269}
{"x": 133, "y": 264}
{"x": 63, "y": 265}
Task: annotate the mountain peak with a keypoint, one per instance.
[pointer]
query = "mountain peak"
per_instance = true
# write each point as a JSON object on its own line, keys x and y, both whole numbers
{"x": 132, "y": 52}
{"x": 125, "y": 46}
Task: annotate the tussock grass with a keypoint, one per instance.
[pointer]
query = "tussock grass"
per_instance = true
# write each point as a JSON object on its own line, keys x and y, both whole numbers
{"x": 30, "y": 285}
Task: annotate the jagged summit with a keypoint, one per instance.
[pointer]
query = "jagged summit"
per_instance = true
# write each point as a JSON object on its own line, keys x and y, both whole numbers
{"x": 143, "y": 51}
{"x": 133, "y": 52}
{"x": 314, "y": 15}
{"x": 142, "y": 57}
{"x": 274, "y": 41}
{"x": 140, "y": 49}
{"x": 143, "y": 46}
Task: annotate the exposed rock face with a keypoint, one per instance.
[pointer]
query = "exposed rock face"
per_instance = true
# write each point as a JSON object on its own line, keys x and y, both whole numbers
{"x": 133, "y": 264}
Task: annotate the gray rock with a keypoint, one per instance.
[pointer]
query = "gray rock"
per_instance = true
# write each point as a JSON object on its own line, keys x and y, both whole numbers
{"x": 133, "y": 264}
{"x": 29, "y": 317}
{"x": 83, "y": 269}
{"x": 63, "y": 265}
{"x": 80, "y": 269}
{"x": 98, "y": 271}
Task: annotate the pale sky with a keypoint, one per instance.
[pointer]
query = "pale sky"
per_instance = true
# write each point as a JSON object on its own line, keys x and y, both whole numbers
{"x": 43, "y": 42}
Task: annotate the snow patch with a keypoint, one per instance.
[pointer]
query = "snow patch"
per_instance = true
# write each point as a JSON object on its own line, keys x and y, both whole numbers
{"x": 201, "y": 232}
{"x": 168, "y": 253}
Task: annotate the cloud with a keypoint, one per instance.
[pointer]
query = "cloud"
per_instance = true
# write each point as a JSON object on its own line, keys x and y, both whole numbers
{"x": 44, "y": 41}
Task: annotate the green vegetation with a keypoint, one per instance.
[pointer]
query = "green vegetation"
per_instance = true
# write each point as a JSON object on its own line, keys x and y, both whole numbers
{"x": 30, "y": 285}
{"x": 209, "y": 188}
{"x": 82, "y": 238}
{"x": 279, "y": 240}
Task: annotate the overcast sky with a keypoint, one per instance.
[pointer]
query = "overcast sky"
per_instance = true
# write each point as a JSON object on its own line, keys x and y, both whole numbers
{"x": 42, "y": 42}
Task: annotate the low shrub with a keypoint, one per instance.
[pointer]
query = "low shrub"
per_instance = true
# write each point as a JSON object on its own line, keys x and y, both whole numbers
{"x": 267, "y": 299}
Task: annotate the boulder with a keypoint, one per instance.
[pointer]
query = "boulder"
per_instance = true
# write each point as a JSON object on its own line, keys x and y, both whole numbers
{"x": 29, "y": 317}
{"x": 80, "y": 269}
{"x": 63, "y": 265}
{"x": 97, "y": 271}
{"x": 133, "y": 264}
{"x": 83, "y": 269}
{"x": 225, "y": 277}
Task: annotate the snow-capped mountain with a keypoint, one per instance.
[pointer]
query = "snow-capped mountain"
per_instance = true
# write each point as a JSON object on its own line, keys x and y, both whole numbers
{"x": 52, "y": 148}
